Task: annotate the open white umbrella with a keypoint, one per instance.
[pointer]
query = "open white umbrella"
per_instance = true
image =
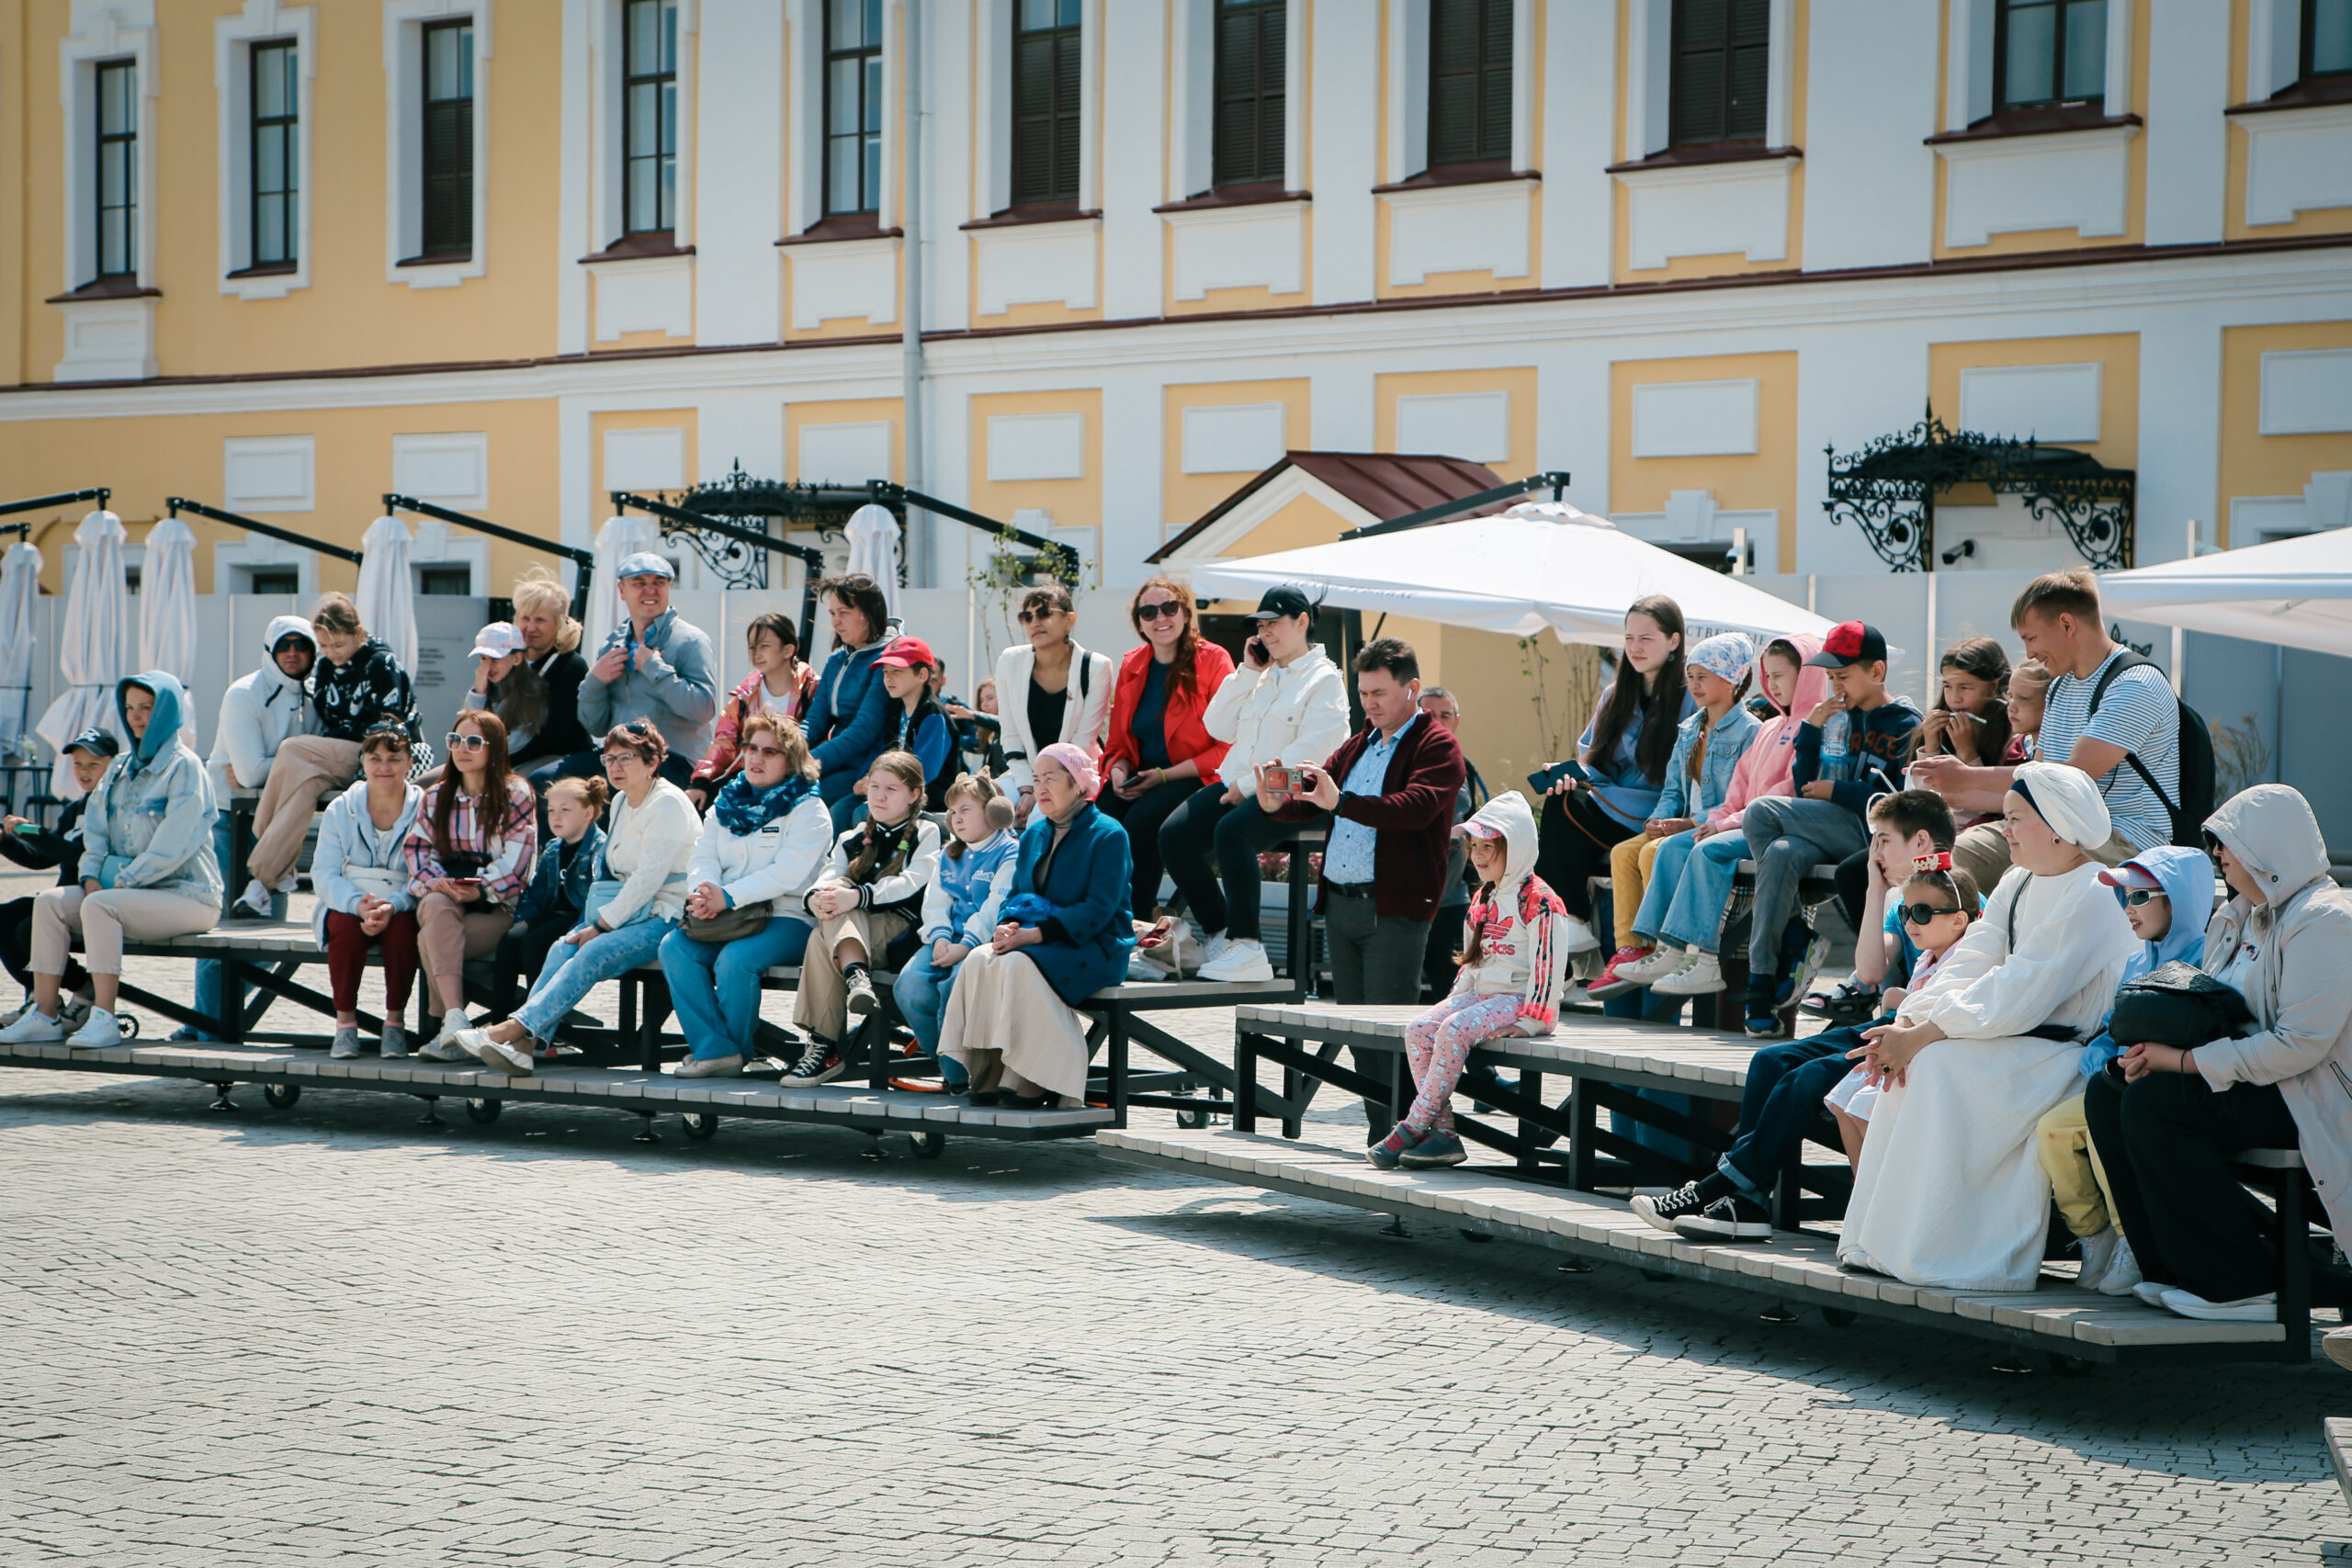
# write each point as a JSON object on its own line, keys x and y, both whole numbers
{"x": 19, "y": 606}
{"x": 620, "y": 537}
{"x": 387, "y": 596}
{"x": 2296, "y": 591}
{"x": 167, "y": 601}
{"x": 1540, "y": 564}
{"x": 89, "y": 651}
{"x": 873, "y": 549}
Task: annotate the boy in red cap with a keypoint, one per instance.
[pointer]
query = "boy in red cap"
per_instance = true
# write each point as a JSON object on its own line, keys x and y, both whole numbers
{"x": 919, "y": 723}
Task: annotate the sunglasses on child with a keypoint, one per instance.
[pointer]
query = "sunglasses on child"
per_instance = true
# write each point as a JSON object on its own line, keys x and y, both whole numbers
{"x": 1920, "y": 914}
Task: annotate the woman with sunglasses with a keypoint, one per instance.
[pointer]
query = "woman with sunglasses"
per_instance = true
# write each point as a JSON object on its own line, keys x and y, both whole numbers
{"x": 1049, "y": 688}
{"x": 469, "y": 861}
{"x": 1160, "y": 750}
{"x": 632, "y": 906}
{"x": 360, "y": 870}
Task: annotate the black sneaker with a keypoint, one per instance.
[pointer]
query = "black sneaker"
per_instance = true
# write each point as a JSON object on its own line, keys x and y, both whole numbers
{"x": 1850, "y": 1004}
{"x": 860, "y": 993}
{"x": 819, "y": 1064}
{"x": 1685, "y": 1199}
{"x": 1729, "y": 1218}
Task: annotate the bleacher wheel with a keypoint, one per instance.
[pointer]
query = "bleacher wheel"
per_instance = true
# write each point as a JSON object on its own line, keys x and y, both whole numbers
{"x": 700, "y": 1125}
{"x": 929, "y": 1146}
{"x": 281, "y": 1096}
{"x": 484, "y": 1110}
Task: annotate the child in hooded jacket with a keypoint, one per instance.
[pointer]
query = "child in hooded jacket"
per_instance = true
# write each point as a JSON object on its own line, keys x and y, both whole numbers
{"x": 1511, "y": 975}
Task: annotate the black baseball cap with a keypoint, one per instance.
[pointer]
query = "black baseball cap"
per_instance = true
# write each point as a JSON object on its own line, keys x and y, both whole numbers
{"x": 1849, "y": 642}
{"x": 1282, "y": 599}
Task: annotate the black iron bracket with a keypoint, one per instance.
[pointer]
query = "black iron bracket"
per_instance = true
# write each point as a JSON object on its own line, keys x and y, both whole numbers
{"x": 176, "y": 505}
{"x": 1556, "y": 482}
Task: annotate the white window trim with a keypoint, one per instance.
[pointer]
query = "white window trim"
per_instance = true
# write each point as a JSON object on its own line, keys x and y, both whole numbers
{"x": 805, "y": 146}
{"x": 1193, "y": 99}
{"x": 105, "y": 29}
{"x": 232, "y": 38}
{"x": 1649, "y": 77}
{"x": 607, "y": 215}
{"x": 1968, "y": 62}
{"x": 1408, "y": 88}
{"x": 992, "y": 121}
{"x": 403, "y": 130}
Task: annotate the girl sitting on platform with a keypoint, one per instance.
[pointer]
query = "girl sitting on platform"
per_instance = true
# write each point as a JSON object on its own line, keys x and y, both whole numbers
{"x": 360, "y": 870}
{"x": 1513, "y": 970}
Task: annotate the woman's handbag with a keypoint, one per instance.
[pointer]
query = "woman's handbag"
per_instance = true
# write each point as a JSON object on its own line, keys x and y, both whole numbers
{"x": 728, "y": 925}
{"x": 2177, "y": 1004}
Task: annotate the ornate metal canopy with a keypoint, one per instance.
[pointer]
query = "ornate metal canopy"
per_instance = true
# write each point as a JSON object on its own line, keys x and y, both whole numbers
{"x": 1889, "y": 489}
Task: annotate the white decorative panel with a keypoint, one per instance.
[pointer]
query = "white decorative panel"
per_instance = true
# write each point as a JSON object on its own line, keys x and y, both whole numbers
{"x": 845, "y": 454}
{"x": 2296, "y": 160}
{"x": 1037, "y": 447}
{"x": 452, "y": 470}
{"x": 109, "y": 340}
{"x": 1694, "y": 419}
{"x": 2047, "y": 402}
{"x": 1036, "y": 263}
{"x": 2007, "y": 185}
{"x": 652, "y": 294}
{"x": 1707, "y": 210}
{"x": 1471, "y": 426}
{"x": 2307, "y": 391}
{"x": 1482, "y": 227}
{"x": 856, "y": 279}
{"x": 645, "y": 460}
{"x": 1235, "y": 438}
{"x": 1238, "y": 247}
{"x": 268, "y": 473}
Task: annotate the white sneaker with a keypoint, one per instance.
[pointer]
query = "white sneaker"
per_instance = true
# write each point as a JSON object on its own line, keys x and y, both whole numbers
{"x": 2150, "y": 1291}
{"x": 33, "y": 1027}
{"x": 1242, "y": 960}
{"x": 99, "y": 1034}
{"x": 2263, "y": 1308}
{"x": 2122, "y": 1270}
{"x": 1580, "y": 937}
{"x": 1649, "y": 971}
{"x": 1702, "y": 976}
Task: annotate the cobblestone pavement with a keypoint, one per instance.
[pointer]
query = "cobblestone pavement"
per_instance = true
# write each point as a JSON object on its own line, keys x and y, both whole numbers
{"x": 329, "y": 1336}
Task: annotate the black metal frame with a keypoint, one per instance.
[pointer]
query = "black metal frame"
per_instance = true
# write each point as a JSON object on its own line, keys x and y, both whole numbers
{"x": 585, "y": 560}
{"x": 1556, "y": 480}
{"x": 287, "y": 124}
{"x": 1888, "y": 489}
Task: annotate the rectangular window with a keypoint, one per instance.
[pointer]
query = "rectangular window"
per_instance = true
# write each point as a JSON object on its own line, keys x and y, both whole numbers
{"x": 274, "y": 109}
{"x": 117, "y": 212}
{"x": 2326, "y": 39}
{"x": 853, "y": 106}
{"x": 1722, "y": 60}
{"x": 1470, "y": 84}
{"x": 1045, "y": 101}
{"x": 2049, "y": 51}
{"x": 1252, "y": 39}
{"x": 650, "y": 115}
{"x": 448, "y": 152}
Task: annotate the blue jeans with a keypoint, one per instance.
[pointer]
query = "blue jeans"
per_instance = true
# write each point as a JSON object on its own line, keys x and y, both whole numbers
{"x": 1786, "y": 1084}
{"x": 715, "y": 985}
{"x": 922, "y": 991}
{"x": 572, "y": 972}
{"x": 1694, "y": 912}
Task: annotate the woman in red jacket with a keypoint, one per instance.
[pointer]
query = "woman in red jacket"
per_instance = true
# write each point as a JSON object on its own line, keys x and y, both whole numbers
{"x": 1158, "y": 752}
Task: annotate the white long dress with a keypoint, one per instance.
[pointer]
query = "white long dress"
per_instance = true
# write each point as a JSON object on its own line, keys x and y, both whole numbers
{"x": 1950, "y": 1192}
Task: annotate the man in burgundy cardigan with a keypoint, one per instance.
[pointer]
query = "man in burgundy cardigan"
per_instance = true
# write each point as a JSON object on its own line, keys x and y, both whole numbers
{"x": 1391, "y": 789}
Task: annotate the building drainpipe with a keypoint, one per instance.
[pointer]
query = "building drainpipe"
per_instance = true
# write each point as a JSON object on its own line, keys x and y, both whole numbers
{"x": 921, "y": 534}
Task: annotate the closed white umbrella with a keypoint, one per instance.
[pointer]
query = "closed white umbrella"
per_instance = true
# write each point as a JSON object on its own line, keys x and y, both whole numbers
{"x": 2296, "y": 591}
{"x": 167, "y": 601}
{"x": 1540, "y": 564}
{"x": 20, "y": 604}
{"x": 387, "y": 596}
{"x": 873, "y": 549}
{"x": 620, "y": 537}
{"x": 89, "y": 651}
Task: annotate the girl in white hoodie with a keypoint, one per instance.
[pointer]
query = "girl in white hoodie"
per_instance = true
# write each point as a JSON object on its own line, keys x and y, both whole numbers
{"x": 1513, "y": 973}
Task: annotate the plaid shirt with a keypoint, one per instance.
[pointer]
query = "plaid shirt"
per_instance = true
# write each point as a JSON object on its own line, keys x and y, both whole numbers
{"x": 506, "y": 868}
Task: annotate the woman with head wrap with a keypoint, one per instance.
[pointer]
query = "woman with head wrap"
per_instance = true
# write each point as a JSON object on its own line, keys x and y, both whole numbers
{"x": 1950, "y": 1192}
{"x": 1065, "y": 935}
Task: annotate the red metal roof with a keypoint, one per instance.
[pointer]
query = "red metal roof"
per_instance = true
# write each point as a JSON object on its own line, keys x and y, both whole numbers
{"x": 1385, "y": 484}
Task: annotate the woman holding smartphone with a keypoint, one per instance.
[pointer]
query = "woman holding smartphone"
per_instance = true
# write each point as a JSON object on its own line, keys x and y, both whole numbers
{"x": 469, "y": 861}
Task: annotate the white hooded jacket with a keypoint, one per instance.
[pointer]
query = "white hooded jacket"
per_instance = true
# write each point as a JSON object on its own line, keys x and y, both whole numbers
{"x": 1517, "y": 924}
{"x": 258, "y": 712}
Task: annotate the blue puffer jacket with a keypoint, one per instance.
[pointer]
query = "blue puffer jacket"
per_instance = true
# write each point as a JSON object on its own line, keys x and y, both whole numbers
{"x": 1684, "y": 797}
{"x": 1081, "y": 908}
{"x": 849, "y": 719}
{"x": 152, "y": 814}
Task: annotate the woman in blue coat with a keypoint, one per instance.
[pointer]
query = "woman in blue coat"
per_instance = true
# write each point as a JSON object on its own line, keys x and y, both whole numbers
{"x": 848, "y": 721}
{"x": 1064, "y": 936}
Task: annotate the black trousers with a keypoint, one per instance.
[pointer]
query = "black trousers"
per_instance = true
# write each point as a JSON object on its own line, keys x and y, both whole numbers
{"x": 1573, "y": 839}
{"x": 2164, "y": 1143}
{"x": 1142, "y": 817}
{"x": 1212, "y": 850}
{"x": 17, "y": 948}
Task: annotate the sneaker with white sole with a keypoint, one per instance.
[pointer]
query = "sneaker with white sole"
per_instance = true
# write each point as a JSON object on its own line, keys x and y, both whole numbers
{"x": 99, "y": 1033}
{"x": 34, "y": 1027}
{"x": 346, "y": 1044}
{"x": 392, "y": 1045}
{"x": 1580, "y": 938}
{"x": 1242, "y": 960}
{"x": 1702, "y": 976}
{"x": 2263, "y": 1308}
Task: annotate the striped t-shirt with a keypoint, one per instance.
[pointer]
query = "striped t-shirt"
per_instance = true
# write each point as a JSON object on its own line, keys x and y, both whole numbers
{"x": 2138, "y": 714}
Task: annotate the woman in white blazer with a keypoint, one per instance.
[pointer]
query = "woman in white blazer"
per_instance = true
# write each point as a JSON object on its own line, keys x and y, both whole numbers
{"x": 1049, "y": 688}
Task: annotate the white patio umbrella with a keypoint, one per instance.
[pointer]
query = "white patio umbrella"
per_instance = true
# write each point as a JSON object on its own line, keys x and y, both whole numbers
{"x": 2296, "y": 591}
{"x": 387, "y": 596}
{"x": 620, "y": 537}
{"x": 1540, "y": 564}
{"x": 873, "y": 549}
{"x": 89, "y": 651}
{"x": 19, "y": 610}
{"x": 167, "y": 601}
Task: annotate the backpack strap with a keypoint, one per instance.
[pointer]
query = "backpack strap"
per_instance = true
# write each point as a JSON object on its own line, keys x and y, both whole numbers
{"x": 2130, "y": 660}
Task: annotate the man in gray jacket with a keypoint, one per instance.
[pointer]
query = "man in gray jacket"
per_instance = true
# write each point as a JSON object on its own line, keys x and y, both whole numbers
{"x": 654, "y": 666}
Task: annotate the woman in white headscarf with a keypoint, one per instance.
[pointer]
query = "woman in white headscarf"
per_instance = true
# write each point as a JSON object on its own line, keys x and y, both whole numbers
{"x": 1950, "y": 1192}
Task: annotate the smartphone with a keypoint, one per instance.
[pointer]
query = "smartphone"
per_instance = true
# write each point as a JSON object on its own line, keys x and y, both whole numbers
{"x": 1542, "y": 779}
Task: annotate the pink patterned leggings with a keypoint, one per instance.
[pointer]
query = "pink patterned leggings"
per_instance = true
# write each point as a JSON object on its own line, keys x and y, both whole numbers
{"x": 1436, "y": 1044}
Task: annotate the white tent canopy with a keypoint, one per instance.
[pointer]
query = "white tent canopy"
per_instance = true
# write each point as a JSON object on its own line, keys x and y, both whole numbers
{"x": 2295, "y": 591}
{"x": 1540, "y": 564}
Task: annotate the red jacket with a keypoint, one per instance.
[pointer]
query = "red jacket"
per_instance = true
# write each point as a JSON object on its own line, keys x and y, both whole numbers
{"x": 1412, "y": 815}
{"x": 1188, "y": 739}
